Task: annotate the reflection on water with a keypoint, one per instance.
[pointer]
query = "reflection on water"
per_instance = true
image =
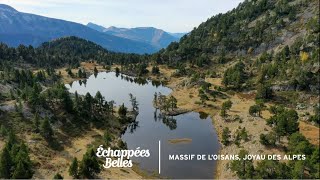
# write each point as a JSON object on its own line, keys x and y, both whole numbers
{"x": 169, "y": 121}
{"x": 151, "y": 126}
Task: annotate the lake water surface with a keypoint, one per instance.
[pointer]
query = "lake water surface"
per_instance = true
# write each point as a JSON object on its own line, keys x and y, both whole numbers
{"x": 152, "y": 127}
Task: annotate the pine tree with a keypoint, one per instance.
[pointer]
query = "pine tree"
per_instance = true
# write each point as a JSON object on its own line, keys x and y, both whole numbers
{"x": 88, "y": 101}
{"x": 225, "y": 136}
{"x": 243, "y": 168}
{"x": 254, "y": 110}
{"x": 12, "y": 139}
{"x": 155, "y": 70}
{"x": 20, "y": 172}
{"x": 79, "y": 73}
{"x": 107, "y": 137}
{"x": 23, "y": 157}
{"x": 36, "y": 121}
{"x": 173, "y": 102}
{"x": 117, "y": 71}
{"x": 5, "y": 164}
{"x": 95, "y": 71}
{"x": 67, "y": 101}
{"x": 58, "y": 176}
{"x": 14, "y": 160}
{"x": 234, "y": 76}
{"x": 100, "y": 99}
{"x": 46, "y": 129}
{"x": 69, "y": 72}
{"x": 225, "y": 106}
{"x": 272, "y": 169}
{"x": 73, "y": 169}
{"x": 111, "y": 106}
{"x": 89, "y": 165}
{"x": 264, "y": 91}
{"x": 3, "y": 131}
{"x": 34, "y": 97}
{"x": 122, "y": 111}
{"x": 134, "y": 103}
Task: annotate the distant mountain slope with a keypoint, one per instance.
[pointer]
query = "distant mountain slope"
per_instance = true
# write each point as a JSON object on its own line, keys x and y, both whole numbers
{"x": 178, "y": 35}
{"x": 29, "y": 29}
{"x": 276, "y": 40}
{"x": 156, "y": 37}
{"x": 255, "y": 26}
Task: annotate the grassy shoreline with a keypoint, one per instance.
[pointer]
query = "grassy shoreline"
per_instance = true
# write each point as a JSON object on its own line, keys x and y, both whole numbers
{"x": 187, "y": 99}
{"x": 241, "y": 105}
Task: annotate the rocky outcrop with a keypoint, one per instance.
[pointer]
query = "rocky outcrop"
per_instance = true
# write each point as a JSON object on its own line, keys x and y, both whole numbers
{"x": 287, "y": 87}
{"x": 283, "y": 87}
{"x": 190, "y": 83}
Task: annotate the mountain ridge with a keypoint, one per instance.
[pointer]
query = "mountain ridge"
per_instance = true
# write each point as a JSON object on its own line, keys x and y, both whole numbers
{"x": 158, "y": 38}
{"x": 38, "y": 29}
{"x": 5, "y": 7}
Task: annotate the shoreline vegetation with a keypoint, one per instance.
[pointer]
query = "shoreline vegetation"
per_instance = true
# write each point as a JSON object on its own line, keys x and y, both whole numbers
{"x": 69, "y": 143}
{"x": 123, "y": 173}
{"x": 188, "y": 100}
{"x": 171, "y": 112}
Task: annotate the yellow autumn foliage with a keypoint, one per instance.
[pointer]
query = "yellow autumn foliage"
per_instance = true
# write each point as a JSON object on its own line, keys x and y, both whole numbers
{"x": 250, "y": 50}
{"x": 304, "y": 56}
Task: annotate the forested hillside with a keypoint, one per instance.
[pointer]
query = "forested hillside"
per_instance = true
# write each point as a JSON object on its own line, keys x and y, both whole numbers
{"x": 69, "y": 51}
{"x": 276, "y": 40}
{"x": 35, "y": 103}
{"x": 264, "y": 53}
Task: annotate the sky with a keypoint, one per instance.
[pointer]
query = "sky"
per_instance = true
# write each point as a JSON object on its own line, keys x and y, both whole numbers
{"x": 170, "y": 15}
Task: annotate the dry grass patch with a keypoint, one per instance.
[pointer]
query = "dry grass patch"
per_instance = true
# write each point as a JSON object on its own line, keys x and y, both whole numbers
{"x": 180, "y": 140}
{"x": 214, "y": 81}
{"x": 312, "y": 133}
{"x": 51, "y": 162}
